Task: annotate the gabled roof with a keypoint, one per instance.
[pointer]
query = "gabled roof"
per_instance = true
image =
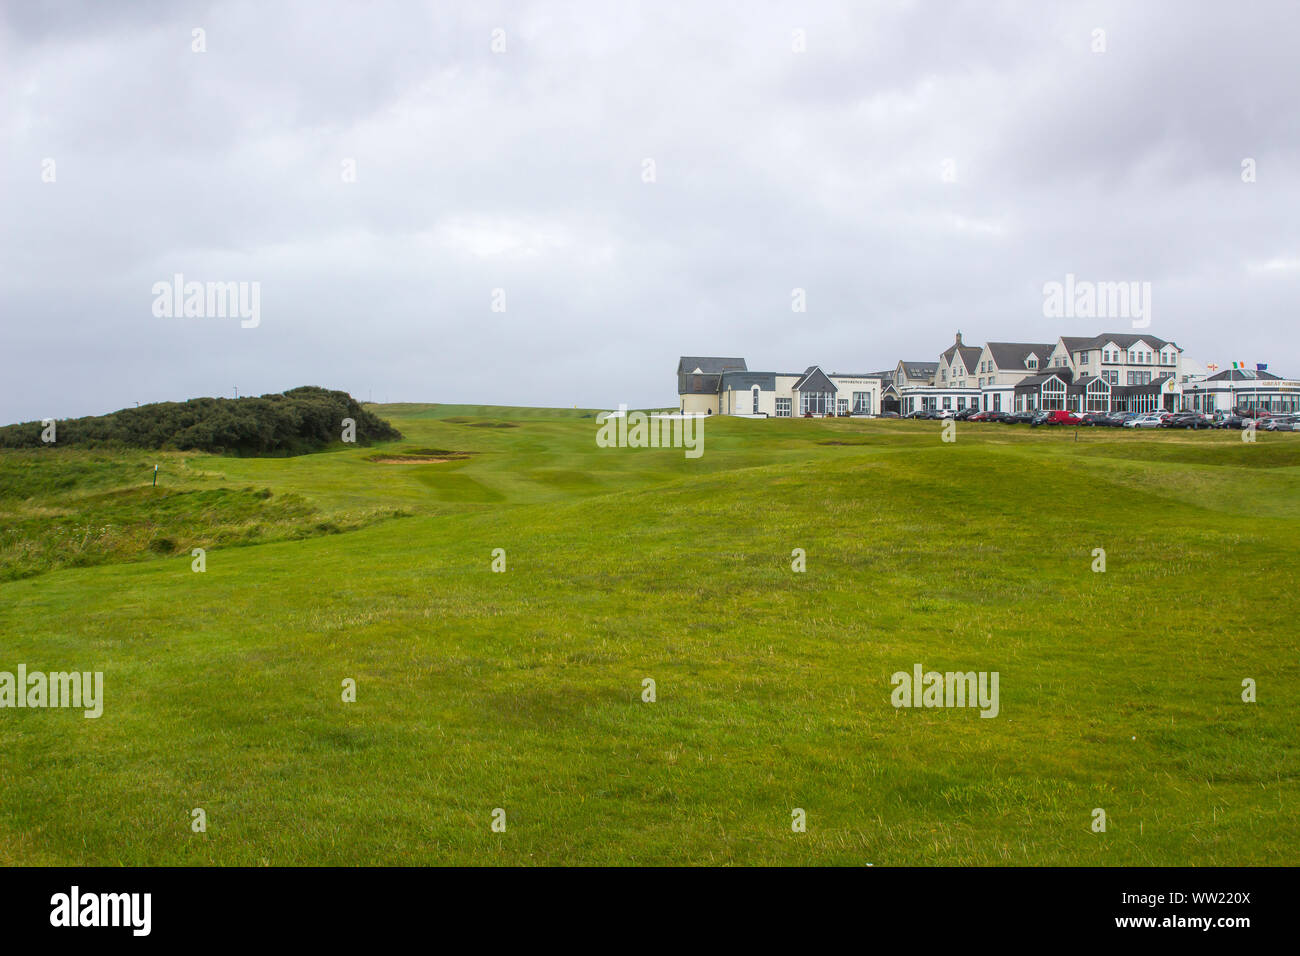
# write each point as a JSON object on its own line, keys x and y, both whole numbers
{"x": 970, "y": 355}
{"x": 1124, "y": 340}
{"x": 704, "y": 382}
{"x": 1082, "y": 384}
{"x": 1155, "y": 385}
{"x": 1033, "y": 381}
{"x": 1010, "y": 356}
{"x": 709, "y": 364}
{"x": 814, "y": 380}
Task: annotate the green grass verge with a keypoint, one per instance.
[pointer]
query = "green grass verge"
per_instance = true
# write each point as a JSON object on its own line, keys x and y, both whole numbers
{"x": 522, "y": 690}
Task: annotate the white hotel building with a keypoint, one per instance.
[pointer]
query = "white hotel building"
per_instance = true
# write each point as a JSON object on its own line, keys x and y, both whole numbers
{"x": 1113, "y": 371}
{"x": 725, "y": 386}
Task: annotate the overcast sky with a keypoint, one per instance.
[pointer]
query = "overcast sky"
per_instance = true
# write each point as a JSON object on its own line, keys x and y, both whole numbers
{"x": 916, "y": 169}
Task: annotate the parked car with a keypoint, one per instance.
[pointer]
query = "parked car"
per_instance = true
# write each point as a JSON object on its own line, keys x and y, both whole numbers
{"x": 1019, "y": 418}
{"x": 1063, "y": 417}
{"x": 1094, "y": 419}
{"x": 964, "y": 414}
{"x": 1040, "y": 418}
{"x": 890, "y": 415}
{"x": 1118, "y": 419}
{"x": 1227, "y": 420}
{"x": 1275, "y": 423}
{"x": 1148, "y": 420}
{"x": 984, "y": 417}
{"x": 1186, "y": 419}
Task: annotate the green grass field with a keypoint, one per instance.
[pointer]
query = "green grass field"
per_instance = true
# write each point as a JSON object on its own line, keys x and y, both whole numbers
{"x": 522, "y": 690}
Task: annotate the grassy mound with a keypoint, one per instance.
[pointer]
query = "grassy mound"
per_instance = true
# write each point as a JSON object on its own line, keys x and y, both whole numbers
{"x": 297, "y": 421}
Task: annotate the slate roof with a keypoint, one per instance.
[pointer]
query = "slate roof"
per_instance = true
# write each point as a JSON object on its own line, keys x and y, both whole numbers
{"x": 709, "y": 364}
{"x": 1155, "y": 385}
{"x": 814, "y": 380}
{"x": 1074, "y": 343}
{"x": 710, "y": 367}
{"x": 1033, "y": 381}
{"x": 744, "y": 381}
{"x": 1124, "y": 340}
{"x": 970, "y": 355}
{"x": 919, "y": 369}
{"x": 1010, "y": 356}
{"x": 1081, "y": 386}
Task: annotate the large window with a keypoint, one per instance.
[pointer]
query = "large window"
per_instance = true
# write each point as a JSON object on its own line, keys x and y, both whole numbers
{"x": 819, "y": 403}
{"x": 842, "y": 406}
{"x": 755, "y": 392}
{"x": 1053, "y": 394}
{"x": 861, "y": 403}
{"x": 783, "y": 408}
{"x": 1098, "y": 397}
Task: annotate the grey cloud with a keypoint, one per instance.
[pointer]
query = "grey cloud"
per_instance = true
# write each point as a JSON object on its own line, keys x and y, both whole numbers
{"x": 820, "y": 170}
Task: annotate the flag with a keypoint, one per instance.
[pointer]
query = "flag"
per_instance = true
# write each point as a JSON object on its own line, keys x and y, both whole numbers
{"x": 1261, "y": 366}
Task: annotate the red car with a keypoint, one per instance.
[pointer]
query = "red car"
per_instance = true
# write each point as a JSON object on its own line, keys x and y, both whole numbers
{"x": 1062, "y": 417}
